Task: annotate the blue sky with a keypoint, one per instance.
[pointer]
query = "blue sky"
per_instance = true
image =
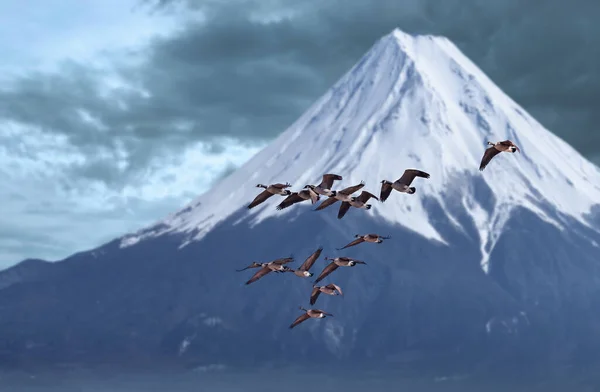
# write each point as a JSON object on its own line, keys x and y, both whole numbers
{"x": 114, "y": 113}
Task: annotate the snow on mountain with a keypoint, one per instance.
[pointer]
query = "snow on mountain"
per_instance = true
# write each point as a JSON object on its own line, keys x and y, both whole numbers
{"x": 410, "y": 102}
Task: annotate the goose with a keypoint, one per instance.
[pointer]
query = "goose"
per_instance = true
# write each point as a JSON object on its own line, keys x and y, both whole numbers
{"x": 303, "y": 271}
{"x": 273, "y": 266}
{"x": 374, "y": 238}
{"x": 402, "y": 184}
{"x": 330, "y": 289}
{"x": 297, "y": 197}
{"x": 335, "y": 263}
{"x": 343, "y": 195}
{"x": 358, "y": 202}
{"x": 495, "y": 149}
{"x": 309, "y": 313}
{"x": 324, "y": 188}
{"x": 273, "y": 189}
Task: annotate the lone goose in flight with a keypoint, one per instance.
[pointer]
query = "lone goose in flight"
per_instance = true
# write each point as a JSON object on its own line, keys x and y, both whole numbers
{"x": 374, "y": 238}
{"x": 324, "y": 188}
{"x": 303, "y": 271}
{"x": 297, "y": 197}
{"x": 310, "y": 313}
{"x": 273, "y": 189}
{"x": 335, "y": 263}
{"x": 343, "y": 195}
{"x": 495, "y": 149}
{"x": 402, "y": 184}
{"x": 358, "y": 202}
{"x": 330, "y": 289}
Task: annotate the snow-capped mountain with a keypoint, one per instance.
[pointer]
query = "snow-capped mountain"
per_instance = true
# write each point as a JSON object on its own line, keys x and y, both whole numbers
{"x": 481, "y": 266}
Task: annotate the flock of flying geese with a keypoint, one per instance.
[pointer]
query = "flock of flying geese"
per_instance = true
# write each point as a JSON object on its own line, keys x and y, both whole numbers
{"x": 314, "y": 193}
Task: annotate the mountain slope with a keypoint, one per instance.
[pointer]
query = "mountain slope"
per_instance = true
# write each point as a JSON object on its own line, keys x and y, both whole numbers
{"x": 482, "y": 267}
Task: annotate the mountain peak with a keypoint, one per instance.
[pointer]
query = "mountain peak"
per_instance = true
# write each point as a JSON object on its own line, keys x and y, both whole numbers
{"x": 409, "y": 102}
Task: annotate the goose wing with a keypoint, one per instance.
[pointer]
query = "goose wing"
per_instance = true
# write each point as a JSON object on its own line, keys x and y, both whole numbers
{"x": 365, "y": 196}
{"x": 334, "y": 286}
{"x": 351, "y": 189}
{"x": 328, "y": 180}
{"x": 343, "y": 209}
{"x": 288, "y": 201}
{"x": 326, "y": 203}
{"x": 409, "y": 175}
{"x": 386, "y": 189}
{"x": 326, "y": 271}
{"x": 310, "y": 260}
{"x": 264, "y": 195}
{"x": 314, "y": 196}
{"x": 355, "y": 242}
{"x": 281, "y": 186}
{"x": 314, "y": 295}
{"x": 283, "y": 260}
{"x": 259, "y": 274}
{"x": 300, "y": 319}
{"x": 487, "y": 157}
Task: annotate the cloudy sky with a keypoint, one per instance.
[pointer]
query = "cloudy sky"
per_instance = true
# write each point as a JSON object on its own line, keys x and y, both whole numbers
{"x": 114, "y": 113}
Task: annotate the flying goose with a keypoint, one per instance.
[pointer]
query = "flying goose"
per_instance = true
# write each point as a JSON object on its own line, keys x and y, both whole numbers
{"x": 309, "y": 313}
{"x": 343, "y": 195}
{"x": 495, "y": 149}
{"x": 297, "y": 197}
{"x": 330, "y": 289}
{"x": 375, "y": 238}
{"x": 324, "y": 188}
{"x": 273, "y": 266}
{"x": 335, "y": 263}
{"x": 303, "y": 271}
{"x": 358, "y": 202}
{"x": 273, "y": 189}
{"x": 402, "y": 184}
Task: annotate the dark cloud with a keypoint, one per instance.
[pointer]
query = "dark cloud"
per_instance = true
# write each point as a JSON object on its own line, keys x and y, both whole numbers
{"x": 232, "y": 76}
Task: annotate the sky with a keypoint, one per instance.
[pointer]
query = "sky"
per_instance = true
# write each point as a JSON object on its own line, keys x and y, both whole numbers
{"x": 115, "y": 113}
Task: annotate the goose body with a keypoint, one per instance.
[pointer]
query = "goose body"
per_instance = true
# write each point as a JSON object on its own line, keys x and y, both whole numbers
{"x": 303, "y": 270}
{"x": 309, "y": 313}
{"x": 344, "y": 195}
{"x": 402, "y": 184}
{"x": 297, "y": 197}
{"x": 270, "y": 190}
{"x": 335, "y": 263}
{"x": 373, "y": 238}
{"x": 495, "y": 149}
{"x": 324, "y": 188}
{"x": 330, "y": 289}
{"x": 277, "y": 265}
{"x": 358, "y": 202}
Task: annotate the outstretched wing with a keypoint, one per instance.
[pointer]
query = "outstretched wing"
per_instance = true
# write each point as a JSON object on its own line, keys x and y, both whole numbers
{"x": 355, "y": 242}
{"x": 328, "y": 180}
{"x": 259, "y": 274}
{"x": 314, "y": 295}
{"x": 283, "y": 260}
{"x": 487, "y": 157}
{"x": 336, "y": 287}
{"x": 343, "y": 209}
{"x": 326, "y": 203}
{"x": 326, "y": 271}
{"x": 365, "y": 196}
{"x": 386, "y": 189}
{"x": 409, "y": 175}
{"x": 351, "y": 189}
{"x": 288, "y": 201}
{"x": 314, "y": 196}
{"x": 264, "y": 195}
{"x": 310, "y": 260}
{"x": 300, "y": 319}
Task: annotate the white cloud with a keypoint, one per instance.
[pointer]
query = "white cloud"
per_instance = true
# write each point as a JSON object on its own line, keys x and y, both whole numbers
{"x": 46, "y": 211}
